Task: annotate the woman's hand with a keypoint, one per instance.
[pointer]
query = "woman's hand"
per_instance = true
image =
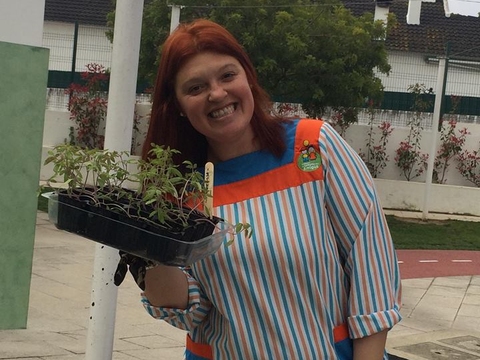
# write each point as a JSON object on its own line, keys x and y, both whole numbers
{"x": 166, "y": 286}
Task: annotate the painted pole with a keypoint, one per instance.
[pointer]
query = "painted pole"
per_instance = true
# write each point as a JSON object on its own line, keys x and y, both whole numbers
{"x": 437, "y": 113}
{"x": 118, "y": 136}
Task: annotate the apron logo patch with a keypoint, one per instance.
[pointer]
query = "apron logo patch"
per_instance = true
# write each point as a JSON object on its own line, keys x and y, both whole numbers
{"x": 309, "y": 158}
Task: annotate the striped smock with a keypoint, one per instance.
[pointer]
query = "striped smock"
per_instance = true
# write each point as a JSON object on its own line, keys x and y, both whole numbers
{"x": 321, "y": 257}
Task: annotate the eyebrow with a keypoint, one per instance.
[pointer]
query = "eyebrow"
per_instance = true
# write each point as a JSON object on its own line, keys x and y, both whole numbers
{"x": 222, "y": 68}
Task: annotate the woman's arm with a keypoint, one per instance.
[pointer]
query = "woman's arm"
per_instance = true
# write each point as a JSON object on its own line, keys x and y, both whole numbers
{"x": 364, "y": 242}
{"x": 166, "y": 286}
{"x": 370, "y": 347}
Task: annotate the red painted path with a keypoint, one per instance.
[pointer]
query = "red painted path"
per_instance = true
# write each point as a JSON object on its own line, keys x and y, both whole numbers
{"x": 438, "y": 263}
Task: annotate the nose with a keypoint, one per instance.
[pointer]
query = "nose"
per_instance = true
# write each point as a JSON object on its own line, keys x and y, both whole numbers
{"x": 217, "y": 93}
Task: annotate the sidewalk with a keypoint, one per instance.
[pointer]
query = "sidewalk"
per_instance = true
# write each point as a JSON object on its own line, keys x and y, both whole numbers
{"x": 441, "y": 314}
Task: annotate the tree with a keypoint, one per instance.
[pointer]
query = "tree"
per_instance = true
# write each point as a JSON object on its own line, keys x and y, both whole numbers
{"x": 317, "y": 54}
{"x": 314, "y": 53}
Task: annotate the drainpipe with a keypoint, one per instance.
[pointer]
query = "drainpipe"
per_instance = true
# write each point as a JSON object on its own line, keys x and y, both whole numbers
{"x": 118, "y": 137}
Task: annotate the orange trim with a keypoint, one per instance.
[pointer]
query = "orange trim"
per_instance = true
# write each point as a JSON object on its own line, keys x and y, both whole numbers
{"x": 203, "y": 350}
{"x": 284, "y": 177}
{"x": 275, "y": 180}
{"x": 340, "y": 332}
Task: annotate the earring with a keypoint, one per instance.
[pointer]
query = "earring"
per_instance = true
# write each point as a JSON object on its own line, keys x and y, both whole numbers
{"x": 182, "y": 114}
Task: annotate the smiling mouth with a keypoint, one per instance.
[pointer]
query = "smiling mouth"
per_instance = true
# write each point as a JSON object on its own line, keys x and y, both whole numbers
{"x": 227, "y": 110}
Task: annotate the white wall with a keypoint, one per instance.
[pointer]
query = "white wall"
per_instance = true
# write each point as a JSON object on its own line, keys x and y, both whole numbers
{"x": 409, "y": 196}
{"x": 21, "y": 21}
{"x": 57, "y": 125}
{"x": 356, "y": 136}
{"x": 57, "y": 129}
{"x": 458, "y": 197}
{"x": 411, "y": 68}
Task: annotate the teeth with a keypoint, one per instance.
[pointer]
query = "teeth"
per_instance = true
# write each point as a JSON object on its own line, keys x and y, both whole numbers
{"x": 222, "y": 112}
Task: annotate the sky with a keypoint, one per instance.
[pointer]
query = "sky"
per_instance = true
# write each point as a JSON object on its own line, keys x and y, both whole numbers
{"x": 464, "y": 7}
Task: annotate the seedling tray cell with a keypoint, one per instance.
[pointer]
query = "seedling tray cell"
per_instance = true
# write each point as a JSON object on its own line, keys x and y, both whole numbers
{"x": 138, "y": 237}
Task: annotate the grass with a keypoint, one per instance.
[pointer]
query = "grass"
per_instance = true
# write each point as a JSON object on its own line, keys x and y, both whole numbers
{"x": 434, "y": 234}
{"x": 410, "y": 233}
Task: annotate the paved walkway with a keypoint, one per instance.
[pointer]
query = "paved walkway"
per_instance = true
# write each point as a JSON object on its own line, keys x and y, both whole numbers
{"x": 441, "y": 313}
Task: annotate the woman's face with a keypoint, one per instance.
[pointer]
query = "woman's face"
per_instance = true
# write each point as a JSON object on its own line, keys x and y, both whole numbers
{"x": 214, "y": 94}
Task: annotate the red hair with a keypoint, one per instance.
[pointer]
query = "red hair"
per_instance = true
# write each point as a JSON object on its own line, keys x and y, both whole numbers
{"x": 168, "y": 128}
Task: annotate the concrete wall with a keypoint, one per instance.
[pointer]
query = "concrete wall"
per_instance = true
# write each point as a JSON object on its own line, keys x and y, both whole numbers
{"x": 57, "y": 129}
{"x": 356, "y": 136}
{"x": 459, "y": 196}
{"x": 410, "y": 195}
{"x": 57, "y": 126}
{"x": 22, "y": 111}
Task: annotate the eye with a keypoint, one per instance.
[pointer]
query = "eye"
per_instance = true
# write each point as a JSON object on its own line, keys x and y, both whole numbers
{"x": 195, "y": 89}
{"x": 228, "y": 76}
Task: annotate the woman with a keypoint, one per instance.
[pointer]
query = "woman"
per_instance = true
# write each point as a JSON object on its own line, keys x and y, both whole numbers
{"x": 319, "y": 277}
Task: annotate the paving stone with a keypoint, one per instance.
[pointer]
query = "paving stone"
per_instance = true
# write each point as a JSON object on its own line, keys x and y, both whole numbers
{"x": 37, "y": 348}
{"x": 453, "y": 281}
{"x": 475, "y": 280}
{"x": 472, "y": 299}
{"x": 466, "y": 323}
{"x": 435, "y": 325}
{"x": 470, "y": 310}
{"x": 470, "y": 343}
{"x": 434, "y": 351}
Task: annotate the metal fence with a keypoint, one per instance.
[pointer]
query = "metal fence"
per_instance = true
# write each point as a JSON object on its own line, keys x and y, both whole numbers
{"x": 73, "y": 47}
